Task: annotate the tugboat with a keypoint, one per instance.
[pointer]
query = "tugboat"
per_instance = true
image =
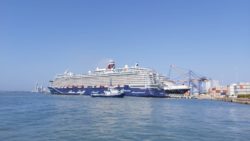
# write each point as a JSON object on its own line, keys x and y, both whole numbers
{"x": 111, "y": 92}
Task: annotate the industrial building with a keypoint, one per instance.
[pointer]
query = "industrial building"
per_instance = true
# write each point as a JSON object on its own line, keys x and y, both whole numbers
{"x": 239, "y": 89}
{"x": 210, "y": 84}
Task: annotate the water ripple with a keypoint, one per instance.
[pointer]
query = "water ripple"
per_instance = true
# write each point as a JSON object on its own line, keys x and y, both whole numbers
{"x": 37, "y": 117}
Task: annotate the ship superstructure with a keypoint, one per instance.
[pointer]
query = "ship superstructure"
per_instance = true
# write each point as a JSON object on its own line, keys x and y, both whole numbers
{"x": 135, "y": 81}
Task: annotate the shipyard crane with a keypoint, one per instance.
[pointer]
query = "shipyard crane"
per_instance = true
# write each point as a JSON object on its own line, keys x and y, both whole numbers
{"x": 187, "y": 77}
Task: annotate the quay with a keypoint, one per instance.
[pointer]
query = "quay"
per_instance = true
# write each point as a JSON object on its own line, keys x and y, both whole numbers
{"x": 235, "y": 100}
{"x": 244, "y": 100}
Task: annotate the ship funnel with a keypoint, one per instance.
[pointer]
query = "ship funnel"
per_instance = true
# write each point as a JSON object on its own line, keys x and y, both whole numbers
{"x": 136, "y": 65}
{"x": 111, "y": 64}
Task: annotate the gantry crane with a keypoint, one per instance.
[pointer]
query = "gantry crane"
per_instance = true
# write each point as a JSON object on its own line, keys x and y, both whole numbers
{"x": 187, "y": 77}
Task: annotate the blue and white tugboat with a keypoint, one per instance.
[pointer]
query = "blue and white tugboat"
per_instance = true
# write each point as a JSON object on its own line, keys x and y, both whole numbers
{"x": 111, "y": 92}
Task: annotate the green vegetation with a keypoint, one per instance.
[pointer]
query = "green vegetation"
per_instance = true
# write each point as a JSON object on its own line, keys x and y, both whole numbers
{"x": 244, "y": 96}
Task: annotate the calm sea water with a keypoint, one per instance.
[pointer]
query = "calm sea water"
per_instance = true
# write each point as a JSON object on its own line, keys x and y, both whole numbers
{"x": 38, "y": 117}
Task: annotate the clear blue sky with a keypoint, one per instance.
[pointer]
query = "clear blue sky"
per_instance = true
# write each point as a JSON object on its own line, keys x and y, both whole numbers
{"x": 39, "y": 39}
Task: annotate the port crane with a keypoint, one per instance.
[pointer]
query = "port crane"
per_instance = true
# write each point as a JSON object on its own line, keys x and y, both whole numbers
{"x": 187, "y": 77}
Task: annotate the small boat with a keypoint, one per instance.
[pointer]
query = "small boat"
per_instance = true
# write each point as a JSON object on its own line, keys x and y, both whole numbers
{"x": 109, "y": 93}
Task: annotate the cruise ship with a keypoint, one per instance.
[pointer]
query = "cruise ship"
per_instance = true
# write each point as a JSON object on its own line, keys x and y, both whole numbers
{"x": 135, "y": 81}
